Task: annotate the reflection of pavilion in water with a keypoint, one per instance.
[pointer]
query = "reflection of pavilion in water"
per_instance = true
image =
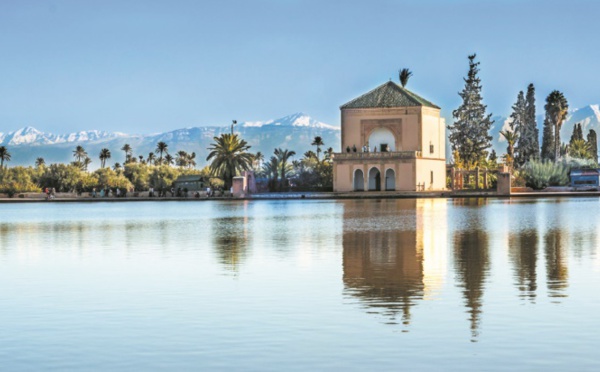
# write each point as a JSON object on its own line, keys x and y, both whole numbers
{"x": 394, "y": 253}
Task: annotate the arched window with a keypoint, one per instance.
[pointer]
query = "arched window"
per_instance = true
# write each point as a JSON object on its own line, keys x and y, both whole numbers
{"x": 383, "y": 139}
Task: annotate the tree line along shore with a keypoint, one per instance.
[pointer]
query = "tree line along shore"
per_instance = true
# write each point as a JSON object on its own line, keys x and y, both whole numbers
{"x": 532, "y": 164}
{"x": 229, "y": 155}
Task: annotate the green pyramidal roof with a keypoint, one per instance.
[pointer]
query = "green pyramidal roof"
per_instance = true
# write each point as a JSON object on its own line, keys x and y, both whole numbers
{"x": 388, "y": 94}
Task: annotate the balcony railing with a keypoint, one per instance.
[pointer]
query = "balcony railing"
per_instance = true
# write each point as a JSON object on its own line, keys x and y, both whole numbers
{"x": 377, "y": 155}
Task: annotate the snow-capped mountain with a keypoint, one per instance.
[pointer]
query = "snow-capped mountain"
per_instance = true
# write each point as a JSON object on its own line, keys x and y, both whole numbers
{"x": 294, "y": 132}
{"x": 32, "y": 136}
{"x": 295, "y": 120}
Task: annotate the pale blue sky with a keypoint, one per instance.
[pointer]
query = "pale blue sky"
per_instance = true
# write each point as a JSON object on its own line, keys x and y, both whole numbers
{"x": 150, "y": 66}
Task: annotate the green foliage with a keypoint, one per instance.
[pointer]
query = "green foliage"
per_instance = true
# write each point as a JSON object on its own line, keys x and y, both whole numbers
{"x": 312, "y": 174}
{"x": 213, "y": 182}
{"x": 18, "y": 179}
{"x": 104, "y": 156}
{"x": 579, "y": 163}
{"x": 541, "y": 174}
{"x": 531, "y": 149}
{"x": 4, "y": 156}
{"x": 556, "y": 112}
{"x": 229, "y": 155}
{"x": 138, "y": 174}
{"x": 404, "y": 75}
{"x": 283, "y": 157}
{"x": 592, "y": 139}
{"x": 469, "y": 134}
{"x": 577, "y": 134}
{"x": 66, "y": 178}
{"x": 318, "y": 141}
{"x": 107, "y": 177}
{"x": 161, "y": 148}
{"x": 579, "y": 149}
{"x": 162, "y": 177}
{"x": 525, "y": 127}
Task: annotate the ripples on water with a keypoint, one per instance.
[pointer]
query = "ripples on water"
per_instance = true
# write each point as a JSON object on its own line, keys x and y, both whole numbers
{"x": 358, "y": 284}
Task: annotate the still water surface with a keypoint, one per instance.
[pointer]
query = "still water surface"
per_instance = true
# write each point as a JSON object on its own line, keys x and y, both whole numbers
{"x": 298, "y": 285}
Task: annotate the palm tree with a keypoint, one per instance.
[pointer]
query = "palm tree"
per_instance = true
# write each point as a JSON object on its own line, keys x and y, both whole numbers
{"x": 79, "y": 153}
{"x": 329, "y": 154}
{"x": 127, "y": 148}
{"x": 258, "y": 159}
{"x": 309, "y": 155}
{"x": 4, "y": 156}
{"x": 168, "y": 159}
{"x": 229, "y": 154}
{"x": 117, "y": 167}
{"x": 271, "y": 168}
{"x": 283, "y": 156}
{"x": 318, "y": 141}
{"x": 556, "y": 111}
{"x": 182, "y": 158}
{"x": 191, "y": 160}
{"x": 151, "y": 158}
{"x": 87, "y": 161}
{"x": 104, "y": 155}
{"x": 563, "y": 150}
{"x": 39, "y": 162}
{"x": 580, "y": 149}
{"x": 160, "y": 148}
{"x": 511, "y": 139}
{"x": 404, "y": 75}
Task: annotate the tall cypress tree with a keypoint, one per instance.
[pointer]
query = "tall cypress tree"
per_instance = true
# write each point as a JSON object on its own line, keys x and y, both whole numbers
{"x": 469, "y": 135}
{"x": 556, "y": 113}
{"x": 531, "y": 150}
{"x": 577, "y": 134}
{"x": 593, "y": 141}
{"x": 517, "y": 125}
{"x": 548, "y": 140}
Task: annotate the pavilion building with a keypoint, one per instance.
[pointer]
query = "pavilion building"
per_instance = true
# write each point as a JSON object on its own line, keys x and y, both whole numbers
{"x": 392, "y": 139}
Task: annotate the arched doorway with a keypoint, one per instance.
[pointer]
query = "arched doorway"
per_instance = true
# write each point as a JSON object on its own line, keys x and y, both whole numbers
{"x": 359, "y": 180}
{"x": 390, "y": 180}
{"x": 374, "y": 179}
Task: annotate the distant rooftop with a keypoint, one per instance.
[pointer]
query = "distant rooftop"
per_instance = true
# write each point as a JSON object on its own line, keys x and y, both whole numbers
{"x": 388, "y": 94}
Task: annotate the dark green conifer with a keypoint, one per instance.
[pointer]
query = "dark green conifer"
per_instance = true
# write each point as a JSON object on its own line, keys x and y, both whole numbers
{"x": 593, "y": 142}
{"x": 469, "y": 134}
{"x": 548, "y": 141}
{"x": 531, "y": 146}
{"x": 577, "y": 134}
{"x": 517, "y": 125}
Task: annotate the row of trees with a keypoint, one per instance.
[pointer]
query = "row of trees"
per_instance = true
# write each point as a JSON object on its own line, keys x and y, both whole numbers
{"x": 470, "y": 139}
{"x": 229, "y": 155}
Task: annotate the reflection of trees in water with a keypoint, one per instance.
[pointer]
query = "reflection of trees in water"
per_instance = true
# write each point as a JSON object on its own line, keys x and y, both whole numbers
{"x": 523, "y": 252}
{"x": 230, "y": 239}
{"x": 556, "y": 263}
{"x": 472, "y": 261}
{"x": 384, "y": 270}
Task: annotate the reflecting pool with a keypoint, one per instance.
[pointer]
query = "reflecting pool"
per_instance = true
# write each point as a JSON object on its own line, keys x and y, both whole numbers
{"x": 416, "y": 284}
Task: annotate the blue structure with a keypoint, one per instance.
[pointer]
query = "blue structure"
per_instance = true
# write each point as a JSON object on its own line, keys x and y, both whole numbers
{"x": 585, "y": 178}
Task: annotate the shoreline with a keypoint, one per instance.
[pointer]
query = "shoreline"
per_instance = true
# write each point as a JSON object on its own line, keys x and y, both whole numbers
{"x": 314, "y": 196}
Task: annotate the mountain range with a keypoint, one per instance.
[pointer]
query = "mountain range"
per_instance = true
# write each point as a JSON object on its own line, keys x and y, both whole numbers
{"x": 294, "y": 132}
